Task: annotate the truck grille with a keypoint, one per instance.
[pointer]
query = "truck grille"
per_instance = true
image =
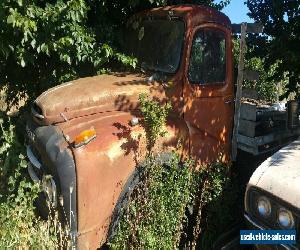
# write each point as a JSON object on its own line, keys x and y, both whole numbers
{"x": 35, "y": 166}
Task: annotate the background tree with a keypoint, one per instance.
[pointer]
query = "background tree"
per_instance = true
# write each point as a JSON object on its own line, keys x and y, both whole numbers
{"x": 279, "y": 45}
{"x": 43, "y": 43}
{"x": 266, "y": 87}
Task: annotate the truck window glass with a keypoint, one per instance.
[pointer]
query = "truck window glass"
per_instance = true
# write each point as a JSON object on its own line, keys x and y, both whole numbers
{"x": 208, "y": 57}
{"x": 156, "y": 43}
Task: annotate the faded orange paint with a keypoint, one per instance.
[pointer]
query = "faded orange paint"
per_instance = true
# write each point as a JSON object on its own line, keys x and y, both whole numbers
{"x": 200, "y": 121}
{"x": 104, "y": 165}
{"x": 207, "y": 105}
{"x": 93, "y": 95}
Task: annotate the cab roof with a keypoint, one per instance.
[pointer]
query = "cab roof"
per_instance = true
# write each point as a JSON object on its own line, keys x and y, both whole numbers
{"x": 194, "y": 13}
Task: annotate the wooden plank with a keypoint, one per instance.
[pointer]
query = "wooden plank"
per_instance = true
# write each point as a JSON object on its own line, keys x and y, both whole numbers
{"x": 258, "y": 128}
{"x": 255, "y": 28}
{"x": 250, "y": 93}
{"x": 267, "y": 150}
{"x": 248, "y": 149}
{"x": 247, "y": 128}
{"x": 251, "y": 75}
{"x": 246, "y": 140}
{"x": 262, "y": 140}
{"x": 259, "y": 150}
{"x": 253, "y": 145}
{"x": 251, "y": 28}
{"x": 238, "y": 95}
{"x": 279, "y": 116}
{"x": 248, "y": 112}
{"x": 275, "y": 115}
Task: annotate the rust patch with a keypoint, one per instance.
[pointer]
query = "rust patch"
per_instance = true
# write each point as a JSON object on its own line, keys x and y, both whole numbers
{"x": 92, "y": 95}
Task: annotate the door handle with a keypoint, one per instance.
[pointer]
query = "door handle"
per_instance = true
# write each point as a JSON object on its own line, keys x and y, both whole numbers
{"x": 229, "y": 101}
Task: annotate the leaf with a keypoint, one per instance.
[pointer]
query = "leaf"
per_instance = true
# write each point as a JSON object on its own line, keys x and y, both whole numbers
{"x": 44, "y": 47}
{"x": 23, "y": 63}
{"x": 10, "y": 19}
{"x": 33, "y": 43}
{"x": 11, "y": 48}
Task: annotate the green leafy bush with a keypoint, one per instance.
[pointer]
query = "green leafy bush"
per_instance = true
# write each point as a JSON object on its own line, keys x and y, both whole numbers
{"x": 44, "y": 43}
{"x": 267, "y": 88}
{"x": 155, "y": 116}
{"x": 20, "y": 228}
{"x": 12, "y": 159}
{"x": 173, "y": 206}
{"x": 155, "y": 216}
{"x": 156, "y": 209}
{"x": 49, "y": 42}
{"x": 222, "y": 207}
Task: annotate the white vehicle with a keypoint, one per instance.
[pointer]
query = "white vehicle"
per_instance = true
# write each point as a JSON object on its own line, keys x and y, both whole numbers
{"x": 272, "y": 199}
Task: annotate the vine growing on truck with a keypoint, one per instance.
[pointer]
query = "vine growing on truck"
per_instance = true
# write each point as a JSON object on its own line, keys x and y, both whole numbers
{"x": 155, "y": 116}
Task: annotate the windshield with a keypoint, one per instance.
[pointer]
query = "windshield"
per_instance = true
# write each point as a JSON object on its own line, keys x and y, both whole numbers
{"x": 155, "y": 43}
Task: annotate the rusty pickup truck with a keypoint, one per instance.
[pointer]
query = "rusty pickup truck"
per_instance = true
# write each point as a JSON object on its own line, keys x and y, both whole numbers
{"x": 81, "y": 133}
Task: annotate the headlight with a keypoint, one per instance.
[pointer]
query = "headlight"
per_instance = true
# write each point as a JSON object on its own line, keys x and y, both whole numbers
{"x": 263, "y": 206}
{"x": 285, "y": 218}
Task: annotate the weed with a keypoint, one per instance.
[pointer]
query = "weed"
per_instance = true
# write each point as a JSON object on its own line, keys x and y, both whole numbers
{"x": 20, "y": 228}
{"x": 155, "y": 216}
{"x": 155, "y": 116}
{"x": 156, "y": 208}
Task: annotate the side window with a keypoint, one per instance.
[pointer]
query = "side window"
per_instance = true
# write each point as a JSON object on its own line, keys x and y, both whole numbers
{"x": 208, "y": 57}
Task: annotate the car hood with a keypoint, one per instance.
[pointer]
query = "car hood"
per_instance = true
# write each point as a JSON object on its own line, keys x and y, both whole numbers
{"x": 280, "y": 174}
{"x": 92, "y": 95}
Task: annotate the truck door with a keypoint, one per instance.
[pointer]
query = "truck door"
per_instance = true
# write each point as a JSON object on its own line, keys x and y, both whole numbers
{"x": 208, "y": 93}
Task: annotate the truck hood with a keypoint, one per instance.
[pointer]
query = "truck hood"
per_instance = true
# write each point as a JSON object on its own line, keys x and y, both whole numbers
{"x": 280, "y": 174}
{"x": 92, "y": 95}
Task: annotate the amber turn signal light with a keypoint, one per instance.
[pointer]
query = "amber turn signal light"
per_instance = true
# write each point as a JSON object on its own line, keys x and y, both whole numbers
{"x": 84, "y": 137}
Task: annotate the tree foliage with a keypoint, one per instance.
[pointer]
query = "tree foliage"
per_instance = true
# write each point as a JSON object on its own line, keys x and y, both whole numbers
{"x": 267, "y": 87}
{"x": 43, "y": 43}
{"x": 280, "y": 42}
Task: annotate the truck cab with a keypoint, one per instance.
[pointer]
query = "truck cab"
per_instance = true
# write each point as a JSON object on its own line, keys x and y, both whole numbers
{"x": 82, "y": 143}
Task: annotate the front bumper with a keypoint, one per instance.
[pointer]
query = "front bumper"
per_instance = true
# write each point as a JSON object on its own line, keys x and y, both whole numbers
{"x": 253, "y": 225}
